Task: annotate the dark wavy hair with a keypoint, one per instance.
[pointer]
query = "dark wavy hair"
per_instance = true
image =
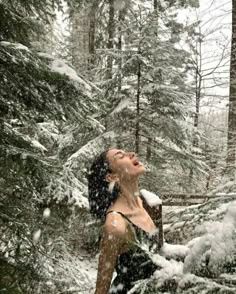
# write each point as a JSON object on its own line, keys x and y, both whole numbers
{"x": 100, "y": 198}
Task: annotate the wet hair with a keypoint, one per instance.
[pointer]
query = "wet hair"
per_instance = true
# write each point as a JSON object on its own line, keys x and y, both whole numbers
{"x": 99, "y": 196}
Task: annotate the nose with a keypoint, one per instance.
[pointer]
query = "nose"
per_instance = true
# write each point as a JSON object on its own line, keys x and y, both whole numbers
{"x": 131, "y": 154}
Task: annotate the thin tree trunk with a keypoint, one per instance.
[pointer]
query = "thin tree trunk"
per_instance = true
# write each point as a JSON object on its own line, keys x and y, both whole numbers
{"x": 198, "y": 88}
{"x": 198, "y": 93}
{"x": 110, "y": 44}
{"x": 231, "y": 142}
{"x": 155, "y": 5}
{"x": 149, "y": 143}
{"x": 121, "y": 18}
{"x": 92, "y": 30}
{"x": 137, "y": 129}
{"x": 196, "y": 115}
{"x": 197, "y": 106}
{"x": 80, "y": 40}
{"x": 197, "y": 100}
{"x": 149, "y": 149}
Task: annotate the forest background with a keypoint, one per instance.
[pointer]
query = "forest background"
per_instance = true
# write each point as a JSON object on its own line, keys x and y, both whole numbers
{"x": 156, "y": 77}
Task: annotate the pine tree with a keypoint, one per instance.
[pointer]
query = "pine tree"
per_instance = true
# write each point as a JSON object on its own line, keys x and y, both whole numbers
{"x": 154, "y": 71}
{"x": 41, "y": 110}
{"x": 23, "y": 21}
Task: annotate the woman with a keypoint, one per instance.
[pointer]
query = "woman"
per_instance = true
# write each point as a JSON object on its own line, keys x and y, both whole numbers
{"x": 114, "y": 197}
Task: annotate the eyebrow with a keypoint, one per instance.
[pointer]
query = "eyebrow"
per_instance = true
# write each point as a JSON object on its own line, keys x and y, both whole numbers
{"x": 117, "y": 152}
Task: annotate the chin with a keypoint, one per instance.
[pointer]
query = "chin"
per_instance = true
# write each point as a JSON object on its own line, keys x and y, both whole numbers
{"x": 134, "y": 172}
{"x": 142, "y": 170}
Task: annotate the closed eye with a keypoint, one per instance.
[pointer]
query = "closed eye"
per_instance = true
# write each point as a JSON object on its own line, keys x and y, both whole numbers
{"x": 120, "y": 154}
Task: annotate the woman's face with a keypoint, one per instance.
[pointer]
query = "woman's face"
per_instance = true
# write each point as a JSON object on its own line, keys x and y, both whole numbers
{"x": 124, "y": 164}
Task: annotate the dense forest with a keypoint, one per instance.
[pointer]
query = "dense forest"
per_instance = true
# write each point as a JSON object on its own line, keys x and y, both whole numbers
{"x": 157, "y": 77}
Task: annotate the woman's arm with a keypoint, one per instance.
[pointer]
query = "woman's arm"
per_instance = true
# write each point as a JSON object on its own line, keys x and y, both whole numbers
{"x": 110, "y": 247}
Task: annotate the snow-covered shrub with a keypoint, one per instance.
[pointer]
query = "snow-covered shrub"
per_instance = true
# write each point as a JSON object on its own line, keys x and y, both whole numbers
{"x": 206, "y": 263}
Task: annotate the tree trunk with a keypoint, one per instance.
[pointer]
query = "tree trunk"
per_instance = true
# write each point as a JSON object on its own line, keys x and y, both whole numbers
{"x": 149, "y": 143}
{"x": 92, "y": 30}
{"x": 149, "y": 149}
{"x": 110, "y": 44}
{"x": 155, "y": 5}
{"x": 197, "y": 105}
{"x": 80, "y": 40}
{"x": 198, "y": 88}
{"x": 231, "y": 142}
{"x": 137, "y": 129}
{"x": 198, "y": 91}
{"x": 121, "y": 18}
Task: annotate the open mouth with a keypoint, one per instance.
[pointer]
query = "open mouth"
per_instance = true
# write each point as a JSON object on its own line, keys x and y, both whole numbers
{"x": 136, "y": 163}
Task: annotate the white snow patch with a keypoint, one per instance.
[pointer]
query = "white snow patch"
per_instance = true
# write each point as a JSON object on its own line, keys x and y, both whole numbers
{"x": 46, "y": 213}
{"x": 21, "y": 47}
{"x": 79, "y": 272}
{"x": 61, "y": 67}
{"x": 169, "y": 268}
{"x": 191, "y": 243}
{"x": 46, "y": 55}
{"x": 80, "y": 200}
{"x": 221, "y": 209}
{"x": 217, "y": 241}
{"x": 15, "y": 121}
{"x": 172, "y": 250}
{"x": 151, "y": 198}
{"x": 49, "y": 131}
{"x": 15, "y": 45}
{"x": 36, "y": 236}
{"x": 178, "y": 225}
{"x": 166, "y": 227}
{"x": 167, "y": 210}
{"x": 38, "y": 145}
{"x": 122, "y": 105}
{"x": 91, "y": 147}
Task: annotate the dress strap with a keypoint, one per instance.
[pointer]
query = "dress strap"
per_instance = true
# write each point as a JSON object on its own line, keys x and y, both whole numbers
{"x": 122, "y": 214}
{"x": 138, "y": 231}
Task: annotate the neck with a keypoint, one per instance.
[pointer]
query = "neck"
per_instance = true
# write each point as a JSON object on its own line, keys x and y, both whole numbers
{"x": 128, "y": 194}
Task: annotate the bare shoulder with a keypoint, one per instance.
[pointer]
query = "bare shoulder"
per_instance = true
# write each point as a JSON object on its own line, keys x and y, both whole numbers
{"x": 115, "y": 224}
